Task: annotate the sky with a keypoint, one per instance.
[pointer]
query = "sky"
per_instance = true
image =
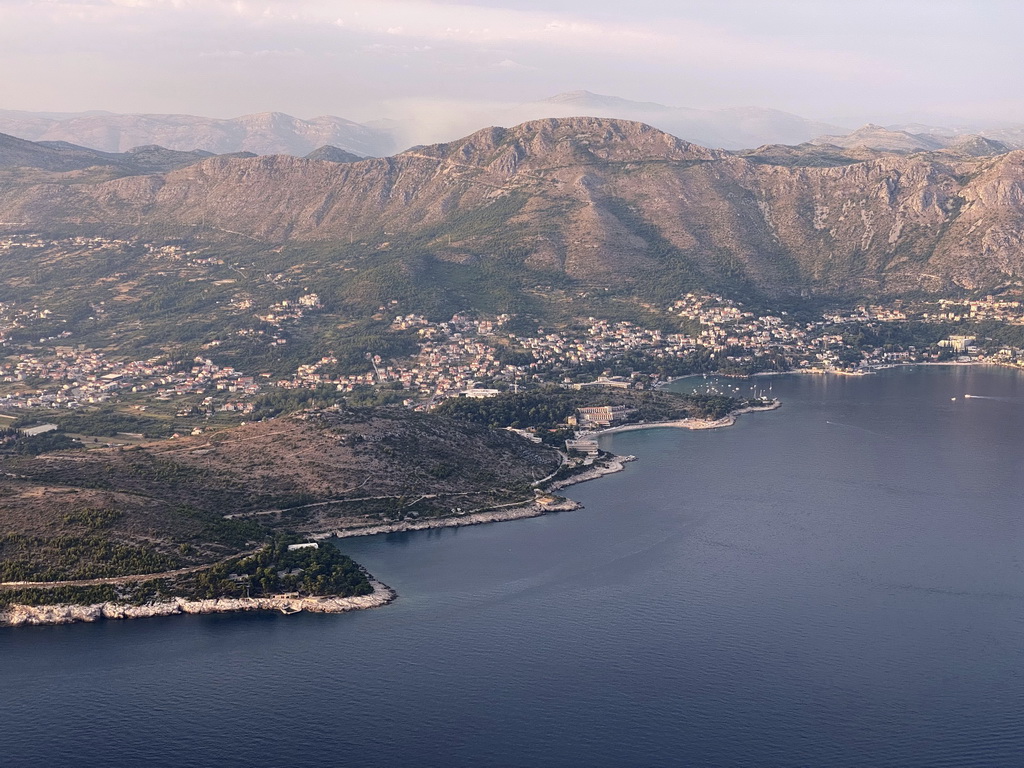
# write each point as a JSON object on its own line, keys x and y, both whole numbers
{"x": 846, "y": 62}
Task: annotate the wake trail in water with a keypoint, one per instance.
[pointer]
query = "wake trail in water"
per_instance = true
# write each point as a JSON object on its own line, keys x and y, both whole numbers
{"x": 998, "y": 399}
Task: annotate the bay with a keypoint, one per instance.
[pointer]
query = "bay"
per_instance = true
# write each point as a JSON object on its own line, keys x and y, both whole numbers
{"x": 838, "y": 582}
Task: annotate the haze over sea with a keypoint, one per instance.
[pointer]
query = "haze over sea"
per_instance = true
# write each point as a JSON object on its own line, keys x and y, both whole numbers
{"x": 836, "y": 583}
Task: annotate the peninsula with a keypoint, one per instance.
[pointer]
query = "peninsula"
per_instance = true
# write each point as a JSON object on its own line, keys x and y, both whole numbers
{"x": 175, "y": 526}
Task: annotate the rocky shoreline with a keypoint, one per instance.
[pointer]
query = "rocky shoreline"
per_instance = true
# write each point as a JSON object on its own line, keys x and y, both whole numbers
{"x": 33, "y": 615}
{"x": 499, "y": 515}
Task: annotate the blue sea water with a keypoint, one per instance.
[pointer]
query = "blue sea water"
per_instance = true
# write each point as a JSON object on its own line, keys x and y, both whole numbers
{"x": 835, "y": 583}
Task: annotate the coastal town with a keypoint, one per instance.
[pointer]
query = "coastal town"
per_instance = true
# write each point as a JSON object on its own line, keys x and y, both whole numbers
{"x": 470, "y": 354}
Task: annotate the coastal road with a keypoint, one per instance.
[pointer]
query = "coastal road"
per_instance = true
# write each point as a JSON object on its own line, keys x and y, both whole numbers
{"x": 234, "y": 515}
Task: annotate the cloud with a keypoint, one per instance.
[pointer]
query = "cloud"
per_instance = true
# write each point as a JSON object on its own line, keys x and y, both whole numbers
{"x": 671, "y": 42}
{"x": 818, "y": 58}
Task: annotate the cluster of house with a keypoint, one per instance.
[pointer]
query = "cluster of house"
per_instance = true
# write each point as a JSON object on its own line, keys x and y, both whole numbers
{"x": 457, "y": 355}
{"x": 13, "y": 317}
{"x": 988, "y": 308}
{"x": 440, "y": 369}
{"x": 453, "y": 356}
{"x": 291, "y": 310}
{"x": 173, "y": 252}
{"x": 204, "y": 375}
{"x": 11, "y": 242}
{"x": 78, "y": 376}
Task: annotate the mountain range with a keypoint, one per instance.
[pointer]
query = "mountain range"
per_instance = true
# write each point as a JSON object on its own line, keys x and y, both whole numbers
{"x": 896, "y": 140}
{"x": 62, "y": 156}
{"x": 272, "y": 133}
{"x": 605, "y": 203}
{"x": 267, "y": 133}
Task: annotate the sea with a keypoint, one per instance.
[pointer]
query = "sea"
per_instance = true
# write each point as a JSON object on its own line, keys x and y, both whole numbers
{"x": 839, "y": 582}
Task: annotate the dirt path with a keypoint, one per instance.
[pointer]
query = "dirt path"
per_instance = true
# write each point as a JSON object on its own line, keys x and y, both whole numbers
{"x": 119, "y": 579}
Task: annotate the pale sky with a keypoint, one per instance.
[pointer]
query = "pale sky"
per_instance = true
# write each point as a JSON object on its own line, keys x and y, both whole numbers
{"x": 846, "y": 62}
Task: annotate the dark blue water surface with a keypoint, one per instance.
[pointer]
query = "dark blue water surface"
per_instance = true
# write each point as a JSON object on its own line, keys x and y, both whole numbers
{"x": 836, "y": 583}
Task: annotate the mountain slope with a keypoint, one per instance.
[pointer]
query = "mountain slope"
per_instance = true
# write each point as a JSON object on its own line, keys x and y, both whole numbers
{"x": 55, "y": 156}
{"x": 603, "y": 202}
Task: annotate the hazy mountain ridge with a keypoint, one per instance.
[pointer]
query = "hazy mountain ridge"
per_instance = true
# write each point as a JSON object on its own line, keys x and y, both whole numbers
{"x": 605, "y": 202}
{"x": 876, "y": 137}
{"x": 420, "y": 123}
{"x": 263, "y": 133}
{"x": 277, "y": 133}
{"x": 925, "y": 139}
{"x": 333, "y": 154}
{"x": 62, "y": 156}
{"x": 728, "y": 128}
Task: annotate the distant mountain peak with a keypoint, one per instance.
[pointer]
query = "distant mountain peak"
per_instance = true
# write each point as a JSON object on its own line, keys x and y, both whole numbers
{"x": 727, "y": 127}
{"x": 565, "y": 140}
{"x": 973, "y": 145}
{"x": 878, "y": 137}
{"x": 588, "y": 99}
{"x": 333, "y": 155}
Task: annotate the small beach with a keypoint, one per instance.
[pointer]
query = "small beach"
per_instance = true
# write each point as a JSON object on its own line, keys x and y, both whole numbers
{"x": 725, "y": 421}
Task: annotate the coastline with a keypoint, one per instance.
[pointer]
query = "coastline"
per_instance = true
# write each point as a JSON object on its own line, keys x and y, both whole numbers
{"x": 68, "y": 613}
{"x": 518, "y": 511}
{"x": 887, "y": 366}
{"x": 65, "y": 613}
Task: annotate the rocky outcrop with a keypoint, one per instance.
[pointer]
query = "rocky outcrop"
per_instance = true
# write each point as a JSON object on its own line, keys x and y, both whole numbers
{"x": 25, "y": 615}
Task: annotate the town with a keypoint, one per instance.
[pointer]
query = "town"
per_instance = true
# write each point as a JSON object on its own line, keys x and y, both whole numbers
{"x": 474, "y": 355}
